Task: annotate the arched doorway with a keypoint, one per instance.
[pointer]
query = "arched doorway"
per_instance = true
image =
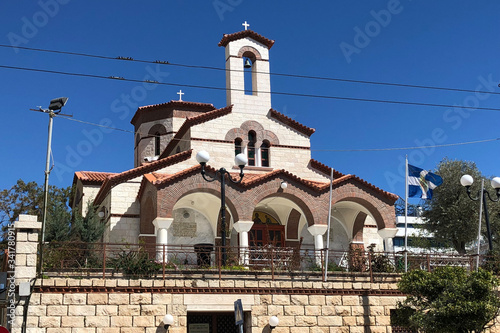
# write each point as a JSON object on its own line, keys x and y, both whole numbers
{"x": 266, "y": 231}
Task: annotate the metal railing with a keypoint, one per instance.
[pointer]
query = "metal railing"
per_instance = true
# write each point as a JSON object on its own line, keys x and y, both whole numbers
{"x": 162, "y": 261}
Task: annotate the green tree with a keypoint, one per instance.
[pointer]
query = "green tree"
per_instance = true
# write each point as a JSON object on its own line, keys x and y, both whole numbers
{"x": 88, "y": 228}
{"x": 27, "y": 198}
{"x": 451, "y": 216}
{"x": 448, "y": 300}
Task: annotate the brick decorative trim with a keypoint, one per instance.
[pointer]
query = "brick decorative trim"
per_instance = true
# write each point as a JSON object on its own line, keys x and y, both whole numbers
{"x": 211, "y": 140}
{"x": 218, "y": 290}
{"x": 292, "y": 147}
{"x": 250, "y": 49}
{"x": 126, "y": 215}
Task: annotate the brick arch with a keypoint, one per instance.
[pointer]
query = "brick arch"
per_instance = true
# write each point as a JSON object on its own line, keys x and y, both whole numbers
{"x": 252, "y": 125}
{"x": 292, "y": 225}
{"x": 168, "y": 196}
{"x": 314, "y": 206}
{"x": 158, "y": 128}
{"x": 243, "y": 52}
{"x": 357, "y": 229}
{"x": 148, "y": 214}
{"x": 380, "y": 208}
{"x": 234, "y": 133}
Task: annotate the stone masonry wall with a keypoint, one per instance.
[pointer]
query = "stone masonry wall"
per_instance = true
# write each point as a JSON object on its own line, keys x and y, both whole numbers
{"x": 65, "y": 305}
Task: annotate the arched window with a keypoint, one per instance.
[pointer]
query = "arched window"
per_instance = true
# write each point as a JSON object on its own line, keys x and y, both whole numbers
{"x": 251, "y": 148}
{"x": 264, "y": 153}
{"x": 237, "y": 146}
{"x": 157, "y": 144}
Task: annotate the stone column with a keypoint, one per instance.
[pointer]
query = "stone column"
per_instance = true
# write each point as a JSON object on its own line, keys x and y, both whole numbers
{"x": 27, "y": 229}
{"x": 317, "y": 230}
{"x": 388, "y": 234}
{"x": 242, "y": 228}
{"x": 24, "y": 233}
{"x": 162, "y": 224}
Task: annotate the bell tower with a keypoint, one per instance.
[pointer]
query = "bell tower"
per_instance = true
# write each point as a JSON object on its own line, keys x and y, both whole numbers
{"x": 248, "y": 84}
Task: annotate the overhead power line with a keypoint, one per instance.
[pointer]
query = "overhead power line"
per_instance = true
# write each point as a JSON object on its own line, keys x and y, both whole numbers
{"x": 322, "y": 150}
{"x": 162, "y": 62}
{"x": 262, "y": 92}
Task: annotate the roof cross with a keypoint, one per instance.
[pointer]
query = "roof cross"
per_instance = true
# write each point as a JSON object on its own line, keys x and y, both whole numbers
{"x": 246, "y": 25}
{"x": 180, "y": 93}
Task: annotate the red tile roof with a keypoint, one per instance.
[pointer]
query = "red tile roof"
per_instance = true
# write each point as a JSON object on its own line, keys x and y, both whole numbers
{"x": 92, "y": 177}
{"x": 192, "y": 121}
{"x": 139, "y": 171}
{"x": 250, "y": 180}
{"x": 325, "y": 169}
{"x": 291, "y": 123}
{"x": 246, "y": 33}
{"x": 193, "y": 106}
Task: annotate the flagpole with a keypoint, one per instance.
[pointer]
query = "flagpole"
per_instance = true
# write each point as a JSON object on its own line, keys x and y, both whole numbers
{"x": 406, "y": 214}
{"x": 328, "y": 223}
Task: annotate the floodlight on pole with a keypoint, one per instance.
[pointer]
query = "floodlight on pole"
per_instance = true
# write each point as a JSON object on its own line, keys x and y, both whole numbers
{"x": 54, "y": 109}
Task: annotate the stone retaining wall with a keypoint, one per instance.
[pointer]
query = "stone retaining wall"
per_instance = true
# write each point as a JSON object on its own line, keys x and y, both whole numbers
{"x": 118, "y": 305}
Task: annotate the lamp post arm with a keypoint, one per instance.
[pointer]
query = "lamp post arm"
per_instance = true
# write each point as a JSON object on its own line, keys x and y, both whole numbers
{"x": 489, "y": 196}
{"x": 236, "y": 181}
{"x": 470, "y": 195}
{"x": 206, "y": 177}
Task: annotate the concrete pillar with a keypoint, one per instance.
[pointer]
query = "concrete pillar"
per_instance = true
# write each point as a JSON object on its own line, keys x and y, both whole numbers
{"x": 162, "y": 224}
{"x": 388, "y": 234}
{"x": 242, "y": 228}
{"x": 317, "y": 230}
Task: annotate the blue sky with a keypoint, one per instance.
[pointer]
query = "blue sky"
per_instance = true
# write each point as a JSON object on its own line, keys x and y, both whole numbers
{"x": 429, "y": 43}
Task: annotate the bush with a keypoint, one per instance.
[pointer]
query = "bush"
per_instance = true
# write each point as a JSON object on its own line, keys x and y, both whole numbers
{"x": 135, "y": 263}
{"x": 380, "y": 263}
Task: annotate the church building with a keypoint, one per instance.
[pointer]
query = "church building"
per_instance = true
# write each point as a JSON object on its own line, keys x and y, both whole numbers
{"x": 282, "y": 199}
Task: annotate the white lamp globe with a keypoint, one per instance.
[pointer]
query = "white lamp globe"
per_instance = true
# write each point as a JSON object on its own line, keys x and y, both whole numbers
{"x": 274, "y": 321}
{"x": 495, "y": 182}
{"x": 240, "y": 160}
{"x": 466, "y": 180}
{"x": 203, "y": 156}
{"x": 168, "y": 319}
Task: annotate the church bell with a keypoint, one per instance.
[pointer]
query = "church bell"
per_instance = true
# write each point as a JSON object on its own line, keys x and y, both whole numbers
{"x": 248, "y": 63}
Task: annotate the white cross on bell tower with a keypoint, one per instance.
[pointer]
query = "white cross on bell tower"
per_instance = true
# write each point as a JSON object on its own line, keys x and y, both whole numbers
{"x": 246, "y": 25}
{"x": 180, "y": 93}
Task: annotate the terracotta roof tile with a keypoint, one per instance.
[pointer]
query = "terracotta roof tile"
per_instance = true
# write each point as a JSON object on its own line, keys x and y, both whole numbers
{"x": 139, "y": 171}
{"x": 246, "y": 33}
{"x": 324, "y": 169}
{"x": 192, "y": 121}
{"x": 249, "y": 180}
{"x": 291, "y": 123}
{"x": 194, "y": 106}
{"x": 344, "y": 178}
{"x": 93, "y": 177}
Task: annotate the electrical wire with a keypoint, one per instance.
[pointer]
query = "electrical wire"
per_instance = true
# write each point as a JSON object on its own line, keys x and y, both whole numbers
{"x": 263, "y": 92}
{"x": 318, "y": 150}
{"x": 227, "y": 70}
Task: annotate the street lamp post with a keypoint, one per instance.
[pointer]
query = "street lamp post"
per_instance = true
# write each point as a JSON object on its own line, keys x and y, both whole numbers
{"x": 54, "y": 109}
{"x": 467, "y": 181}
{"x": 240, "y": 160}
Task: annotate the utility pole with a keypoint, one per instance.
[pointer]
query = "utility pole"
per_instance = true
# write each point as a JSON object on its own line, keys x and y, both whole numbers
{"x": 53, "y": 110}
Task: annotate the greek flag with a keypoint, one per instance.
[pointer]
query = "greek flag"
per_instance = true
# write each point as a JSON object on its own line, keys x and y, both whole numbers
{"x": 421, "y": 182}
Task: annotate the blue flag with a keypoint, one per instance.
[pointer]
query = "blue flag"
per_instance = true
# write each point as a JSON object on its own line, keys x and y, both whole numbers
{"x": 421, "y": 182}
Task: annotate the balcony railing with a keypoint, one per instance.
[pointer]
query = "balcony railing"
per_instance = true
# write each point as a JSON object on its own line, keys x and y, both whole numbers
{"x": 163, "y": 261}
